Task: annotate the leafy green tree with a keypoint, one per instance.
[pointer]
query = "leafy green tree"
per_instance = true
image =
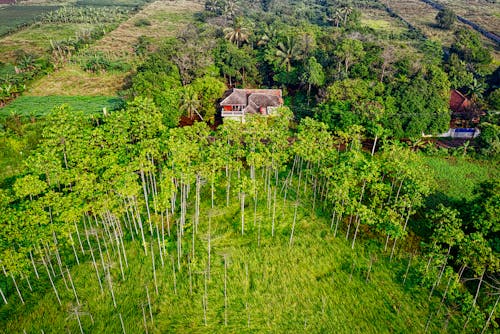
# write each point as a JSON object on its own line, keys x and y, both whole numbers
{"x": 286, "y": 52}
{"x": 446, "y": 18}
{"x": 348, "y": 52}
{"x": 458, "y": 73}
{"x": 209, "y": 90}
{"x": 236, "y": 64}
{"x": 237, "y": 34}
{"x": 30, "y": 186}
{"x": 313, "y": 74}
{"x": 469, "y": 47}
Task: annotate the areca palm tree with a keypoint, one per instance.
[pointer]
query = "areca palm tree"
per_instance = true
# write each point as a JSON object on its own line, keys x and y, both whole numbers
{"x": 287, "y": 52}
{"x": 189, "y": 102}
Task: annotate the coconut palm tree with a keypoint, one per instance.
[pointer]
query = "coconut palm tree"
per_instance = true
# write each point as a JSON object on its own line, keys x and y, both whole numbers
{"x": 236, "y": 34}
{"x": 287, "y": 52}
{"x": 346, "y": 11}
{"x": 190, "y": 102}
{"x": 335, "y": 17}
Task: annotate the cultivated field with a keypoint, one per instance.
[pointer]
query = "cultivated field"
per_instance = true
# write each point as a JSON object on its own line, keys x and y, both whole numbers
{"x": 37, "y": 38}
{"x": 380, "y": 21}
{"x": 35, "y": 106}
{"x": 165, "y": 17}
{"x": 71, "y": 80}
{"x": 12, "y": 17}
{"x": 422, "y": 16}
{"x": 482, "y": 12}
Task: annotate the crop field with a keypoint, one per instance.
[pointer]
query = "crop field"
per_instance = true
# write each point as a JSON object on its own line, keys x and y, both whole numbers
{"x": 12, "y": 17}
{"x": 113, "y": 3}
{"x": 41, "y": 105}
{"x": 422, "y": 16}
{"x": 380, "y": 21}
{"x": 166, "y": 19}
{"x": 457, "y": 177}
{"x": 482, "y": 12}
{"x": 317, "y": 286}
{"x": 36, "y": 39}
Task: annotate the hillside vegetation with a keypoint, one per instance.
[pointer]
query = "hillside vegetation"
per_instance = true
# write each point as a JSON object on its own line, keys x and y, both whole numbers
{"x": 129, "y": 205}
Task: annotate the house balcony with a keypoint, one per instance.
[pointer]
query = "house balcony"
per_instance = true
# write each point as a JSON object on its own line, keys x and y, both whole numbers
{"x": 230, "y": 113}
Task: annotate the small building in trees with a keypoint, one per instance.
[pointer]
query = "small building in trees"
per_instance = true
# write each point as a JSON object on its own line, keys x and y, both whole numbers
{"x": 458, "y": 102}
{"x": 236, "y": 103}
{"x": 464, "y": 113}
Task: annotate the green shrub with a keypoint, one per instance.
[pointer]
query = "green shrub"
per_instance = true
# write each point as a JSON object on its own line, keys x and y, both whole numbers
{"x": 142, "y": 23}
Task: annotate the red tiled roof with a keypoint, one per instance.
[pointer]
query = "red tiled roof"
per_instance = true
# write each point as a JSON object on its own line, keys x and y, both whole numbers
{"x": 458, "y": 102}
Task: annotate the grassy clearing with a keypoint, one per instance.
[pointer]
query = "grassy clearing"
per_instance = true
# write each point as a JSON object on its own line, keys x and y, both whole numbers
{"x": 310, "y": 287}
{"x": 381, "y": 21}
{"x": 36, "y": 39}
{"x": 71, "y": 80}
{"x": 40, "y": 105}
{"x": 13, "y": 16}
{"x": 457, "y": 177}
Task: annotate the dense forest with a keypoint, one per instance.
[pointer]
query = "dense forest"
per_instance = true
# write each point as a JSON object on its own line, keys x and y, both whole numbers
{"x": 154, "y": 215}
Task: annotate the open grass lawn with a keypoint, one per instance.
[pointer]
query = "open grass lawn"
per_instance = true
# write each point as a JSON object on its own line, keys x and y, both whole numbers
{"x": 71, "y": 80}
{"x": 12, "y": 17}
{"x": 37, "y": 38}
{"x": 457, "y": 177}
{"x": 266, "y": 286}
{"x": 380, "y": 21}
{"x": 28, "y": 106}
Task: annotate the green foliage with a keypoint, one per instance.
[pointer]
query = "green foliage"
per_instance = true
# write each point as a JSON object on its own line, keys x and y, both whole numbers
{"x": 446, "y": 18}
{"x": 489, "y": 140}
{"x": 92, "y": 15}
{"x": 38, "y": 106}
{"x": 142, "y": 22}
{"x": 209, "y": 91}
{"x": 468, "y": 47}
{"x": 458, "y": 73}
{"x": 99, "y": 62}
{"x": 494, "y": 100}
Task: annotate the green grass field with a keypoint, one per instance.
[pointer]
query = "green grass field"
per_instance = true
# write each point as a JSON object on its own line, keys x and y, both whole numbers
{"x": 37, "y": 106}
{"x": 456, "y": 177}
{"x": 258, "y": 283}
